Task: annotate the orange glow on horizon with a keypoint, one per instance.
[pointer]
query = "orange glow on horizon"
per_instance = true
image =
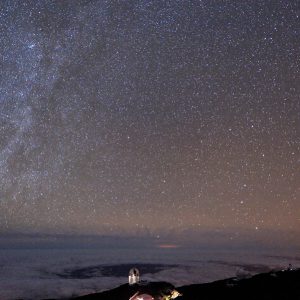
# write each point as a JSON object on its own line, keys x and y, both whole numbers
{"x": 168, "y": 246}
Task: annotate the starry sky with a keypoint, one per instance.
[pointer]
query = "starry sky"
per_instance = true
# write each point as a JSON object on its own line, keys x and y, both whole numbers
{"x": 144, "y": 116}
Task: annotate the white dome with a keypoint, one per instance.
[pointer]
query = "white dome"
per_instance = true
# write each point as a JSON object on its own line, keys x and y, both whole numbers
{"x": 134, "y": 276}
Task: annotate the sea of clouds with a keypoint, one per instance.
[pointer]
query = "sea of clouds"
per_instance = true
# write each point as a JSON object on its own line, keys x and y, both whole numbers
{"x": 37, "y": 270}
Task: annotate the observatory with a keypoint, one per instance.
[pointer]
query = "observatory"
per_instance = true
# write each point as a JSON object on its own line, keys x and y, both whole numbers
{"x": 134, "y": 276}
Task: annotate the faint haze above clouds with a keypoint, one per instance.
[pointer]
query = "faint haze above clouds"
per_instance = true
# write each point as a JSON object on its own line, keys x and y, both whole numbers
{"x": 226, "y": 240}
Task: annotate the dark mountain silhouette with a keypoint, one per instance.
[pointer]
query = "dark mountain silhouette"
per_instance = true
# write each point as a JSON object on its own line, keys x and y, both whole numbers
{"x": 267, "y": 286}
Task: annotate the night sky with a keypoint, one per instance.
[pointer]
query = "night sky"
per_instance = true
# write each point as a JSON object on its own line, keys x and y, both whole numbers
{"x": 141, "y": 116}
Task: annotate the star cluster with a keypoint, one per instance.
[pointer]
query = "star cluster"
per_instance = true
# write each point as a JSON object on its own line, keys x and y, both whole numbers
{"x": 126, "y": 116}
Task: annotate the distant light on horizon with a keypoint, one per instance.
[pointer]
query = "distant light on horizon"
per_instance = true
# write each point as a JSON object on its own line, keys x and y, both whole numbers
{"x": 168, "y": 246}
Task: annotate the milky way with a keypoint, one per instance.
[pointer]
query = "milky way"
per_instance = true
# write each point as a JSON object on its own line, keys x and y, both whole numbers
{"x": 139, "y": 115}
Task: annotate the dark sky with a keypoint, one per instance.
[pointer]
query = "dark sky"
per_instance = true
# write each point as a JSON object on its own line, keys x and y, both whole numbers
{"x": 128, "y": 116}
